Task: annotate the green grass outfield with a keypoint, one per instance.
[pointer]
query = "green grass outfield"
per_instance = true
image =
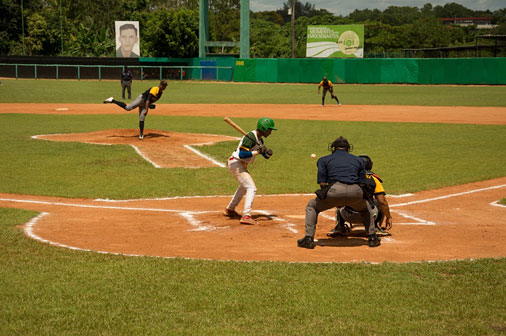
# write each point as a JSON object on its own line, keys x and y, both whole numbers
{"x": 46, "y": 290}
{"x": 185, "y": 92}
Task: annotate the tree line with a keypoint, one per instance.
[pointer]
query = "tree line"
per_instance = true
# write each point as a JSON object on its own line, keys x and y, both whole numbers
{"x": 169, "y": 28}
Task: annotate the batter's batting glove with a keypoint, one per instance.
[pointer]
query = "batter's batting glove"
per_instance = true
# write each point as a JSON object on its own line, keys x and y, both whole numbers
{"x": 262, "y": 149}
{"x": 268, "y": 153}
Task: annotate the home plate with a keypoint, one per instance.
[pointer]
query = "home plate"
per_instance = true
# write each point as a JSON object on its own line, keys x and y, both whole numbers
{"x": 62, "y": 109}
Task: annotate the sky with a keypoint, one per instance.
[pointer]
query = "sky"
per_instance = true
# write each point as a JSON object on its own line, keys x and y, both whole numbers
{"x": 345, "y": 7}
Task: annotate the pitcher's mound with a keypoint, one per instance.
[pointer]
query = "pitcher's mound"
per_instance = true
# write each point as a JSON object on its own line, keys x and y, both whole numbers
{"x": 164, "y": 149}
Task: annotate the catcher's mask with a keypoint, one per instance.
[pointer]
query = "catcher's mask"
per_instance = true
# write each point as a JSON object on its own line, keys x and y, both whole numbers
{"x": 340, "y": 143}
{"x": 367, "y": 160}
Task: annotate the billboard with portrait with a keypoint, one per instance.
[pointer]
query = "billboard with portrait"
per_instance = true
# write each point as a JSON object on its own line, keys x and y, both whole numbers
{"x": 335, "y": 41}
{"x": 127, "y": 39}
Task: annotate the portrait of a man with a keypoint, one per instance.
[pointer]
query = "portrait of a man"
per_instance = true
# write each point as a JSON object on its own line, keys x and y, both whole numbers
{"x": 127, "y": 39}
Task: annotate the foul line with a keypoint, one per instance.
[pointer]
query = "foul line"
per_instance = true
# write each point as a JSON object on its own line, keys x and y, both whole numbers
{"x": 137, "y": 150}
{"x": 448, "y": 196}
{"x": 222, "y": 165}
{"x": 88, "y": 206}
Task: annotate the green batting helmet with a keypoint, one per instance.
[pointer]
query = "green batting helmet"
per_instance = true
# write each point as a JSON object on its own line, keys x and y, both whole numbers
{"x": 265, "y": 124}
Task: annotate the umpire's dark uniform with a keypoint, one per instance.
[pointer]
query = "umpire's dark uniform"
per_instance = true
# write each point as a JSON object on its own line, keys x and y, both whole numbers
{"x": 344, "y": 172}
{"x": 126, "y": 83}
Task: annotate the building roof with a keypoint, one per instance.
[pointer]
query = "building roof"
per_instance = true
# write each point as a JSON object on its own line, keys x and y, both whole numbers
{"x": 468, "y": 18}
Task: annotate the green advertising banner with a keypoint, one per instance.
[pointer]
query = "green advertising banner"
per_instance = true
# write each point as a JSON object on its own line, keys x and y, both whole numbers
{"x": 335, "y": 41}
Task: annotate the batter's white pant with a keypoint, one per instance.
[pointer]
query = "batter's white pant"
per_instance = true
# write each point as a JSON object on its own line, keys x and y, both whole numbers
{"x": 246, "y": 186}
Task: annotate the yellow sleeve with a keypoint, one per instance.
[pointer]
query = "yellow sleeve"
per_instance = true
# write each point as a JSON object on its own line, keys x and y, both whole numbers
{"x": 321, "y": 83}
{"x": 154, "y": 90}
{"x": 379, "y": 187}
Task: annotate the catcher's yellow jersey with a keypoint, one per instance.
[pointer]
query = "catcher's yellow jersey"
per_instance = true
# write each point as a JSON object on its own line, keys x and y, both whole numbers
{"x": 378, "y": 189}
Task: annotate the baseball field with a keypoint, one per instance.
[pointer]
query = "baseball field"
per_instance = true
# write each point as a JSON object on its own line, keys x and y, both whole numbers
{"x": 104, "y": 234}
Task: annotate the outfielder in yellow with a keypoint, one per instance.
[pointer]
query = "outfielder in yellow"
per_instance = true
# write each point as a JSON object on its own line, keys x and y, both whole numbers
{"x": 249, "y": 147}
{"x": 327, "y": 86}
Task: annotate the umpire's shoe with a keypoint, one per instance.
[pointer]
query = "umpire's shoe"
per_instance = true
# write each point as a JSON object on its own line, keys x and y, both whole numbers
{"x": 374, "y": 240}
{"x": 306, "y": 242}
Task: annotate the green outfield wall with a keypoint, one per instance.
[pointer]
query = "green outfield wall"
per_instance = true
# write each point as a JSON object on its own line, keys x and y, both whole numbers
{"x": 374, "y": 71}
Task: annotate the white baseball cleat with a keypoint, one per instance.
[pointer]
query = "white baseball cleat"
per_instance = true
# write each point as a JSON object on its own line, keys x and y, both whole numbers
{"x": 141, "y": 136}
{"x": 108, "y": 100}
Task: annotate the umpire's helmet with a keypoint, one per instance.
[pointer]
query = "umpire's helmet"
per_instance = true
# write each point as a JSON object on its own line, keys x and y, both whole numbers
{"x": 367, "y": 160}
{"x": 265, "y": 124}
{"x": 340, "y": 142}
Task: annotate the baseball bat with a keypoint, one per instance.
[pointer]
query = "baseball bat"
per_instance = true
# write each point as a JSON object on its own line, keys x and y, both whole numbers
{"x": 239, "y": 129}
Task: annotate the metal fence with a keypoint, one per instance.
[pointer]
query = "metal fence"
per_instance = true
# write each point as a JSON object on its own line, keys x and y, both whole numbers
{"x": 99, "y": 72}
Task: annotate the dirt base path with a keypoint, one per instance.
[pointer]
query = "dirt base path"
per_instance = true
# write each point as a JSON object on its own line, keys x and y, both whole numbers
{"x": 449, "y": 223}
{"x": 390, "y": 113}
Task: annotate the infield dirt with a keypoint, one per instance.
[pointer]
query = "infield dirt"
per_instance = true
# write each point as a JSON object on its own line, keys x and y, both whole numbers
{"x": 449, "y": 223}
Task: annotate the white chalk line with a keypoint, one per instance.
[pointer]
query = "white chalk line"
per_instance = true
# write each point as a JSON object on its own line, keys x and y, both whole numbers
{"x": 190, "y": 197}
{"x": 87, "y": 205}
{"x": 29, "y": 232}
{"x": 139, "y": 152}
{"x": 448, "y": 196}
{"x": 196, "y": 224}
{"x": 38, "y": 137}
{"x": 419, "y": 221}
{"x": 188, "y": 215}
{"x": 199, "y": 153}
{"x": 283, "y": 222}
{"x": 304, "y": 194}
{"x": 497, "y": 204}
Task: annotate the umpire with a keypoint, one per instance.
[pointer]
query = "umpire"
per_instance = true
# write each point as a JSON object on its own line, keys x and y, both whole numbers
{"x": 340, "y": 176}
{"x": 126, "y": 83}
{"x": 380, "y": 207}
